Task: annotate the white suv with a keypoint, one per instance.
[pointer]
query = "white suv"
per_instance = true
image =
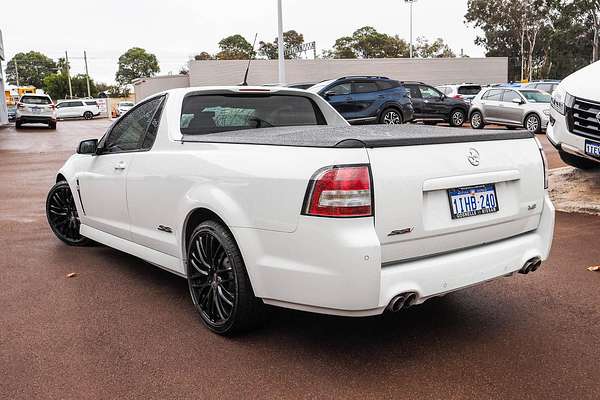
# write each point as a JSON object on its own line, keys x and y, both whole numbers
{"x": 574, "y": 127}
{"x": 35, "y": 108}
{"x": 87, "y": 109}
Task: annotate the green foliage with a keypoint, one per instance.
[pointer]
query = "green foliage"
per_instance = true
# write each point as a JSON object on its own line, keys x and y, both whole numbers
{"x": 291, "y": 39}
{"x": 33, "y": 67}
{"x": 203, "y": 56}
{"x": 366, "y": 42}
{"x": 234, "y": 47}
{"x": 136, "y": 63}
{"x": 57, "y": 86}
{"x": 436, "y": 49}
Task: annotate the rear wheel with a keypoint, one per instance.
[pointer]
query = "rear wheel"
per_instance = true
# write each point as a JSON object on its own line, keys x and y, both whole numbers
{"x": 218, "y": 281}
{"x": 390, "y": 116}
{"x": 576, "y": 161}
{"x": 52, "y": 124}
{"x": 533, "y": 123}
{"x": 62, "y": 215}
{"x": 457, "y": 118}
{"x": 477, "y": 120}
{"x": 18, "y": 124}
{"x": 88, "y": 115}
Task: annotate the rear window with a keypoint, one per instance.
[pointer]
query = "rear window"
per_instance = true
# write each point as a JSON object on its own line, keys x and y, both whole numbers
{"x": 469, "y": 90}
{"x": 204, "y": 114}
{"x": 35, "y": 100}
{"x": 91, "y": 103}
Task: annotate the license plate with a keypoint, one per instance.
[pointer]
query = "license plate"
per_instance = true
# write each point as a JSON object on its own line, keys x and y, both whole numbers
{"x": 36, "y": 110}
{"x": 592, "y": 148}
{"x": 473, "y": 200}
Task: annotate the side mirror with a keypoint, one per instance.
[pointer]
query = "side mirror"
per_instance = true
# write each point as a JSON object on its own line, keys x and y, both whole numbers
{"x": 88, "y": 146}
{"x": 517, "y": 101}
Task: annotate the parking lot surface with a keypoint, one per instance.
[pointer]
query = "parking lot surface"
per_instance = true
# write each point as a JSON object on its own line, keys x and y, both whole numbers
{"x": 122, "y": 328}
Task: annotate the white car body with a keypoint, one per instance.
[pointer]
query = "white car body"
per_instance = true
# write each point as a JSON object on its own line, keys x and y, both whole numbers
{"x": 35, "y": 108}
{"x": 462, "y": 91}
{"x": 123, "y": 107}
{"x": 575, "y": 116}
{"x": 77, "y": 108}
{"x": 343, "y": 266}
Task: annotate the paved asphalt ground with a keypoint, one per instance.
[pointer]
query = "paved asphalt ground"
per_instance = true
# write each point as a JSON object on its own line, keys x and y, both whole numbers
{"x": 124, "y": 329}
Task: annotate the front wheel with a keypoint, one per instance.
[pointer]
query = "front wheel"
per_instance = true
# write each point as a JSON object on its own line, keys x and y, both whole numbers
{"x": 457, "y": 118}
{"x": 62, "y": 215}
{"x": 477, "y": 120}
{"x": 390, "y": 116}
{"x": 533, "y": 123}
{"x": 218, "y": 281}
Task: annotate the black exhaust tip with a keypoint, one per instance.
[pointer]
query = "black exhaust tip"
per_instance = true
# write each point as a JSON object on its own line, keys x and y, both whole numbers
{"x": 531, "y": 265}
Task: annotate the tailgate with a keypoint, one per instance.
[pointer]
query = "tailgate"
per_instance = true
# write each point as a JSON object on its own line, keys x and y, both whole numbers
{"x": 413, "y": 195}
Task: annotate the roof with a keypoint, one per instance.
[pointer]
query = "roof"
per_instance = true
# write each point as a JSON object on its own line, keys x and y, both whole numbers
{"x": 356, "y": 136}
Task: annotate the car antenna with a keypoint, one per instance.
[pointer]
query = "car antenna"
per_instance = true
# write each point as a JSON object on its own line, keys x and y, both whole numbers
{"x": 245, "y": 83}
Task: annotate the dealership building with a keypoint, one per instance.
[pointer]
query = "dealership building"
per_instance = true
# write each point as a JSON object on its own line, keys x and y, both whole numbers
{"x": 434, "y": 71}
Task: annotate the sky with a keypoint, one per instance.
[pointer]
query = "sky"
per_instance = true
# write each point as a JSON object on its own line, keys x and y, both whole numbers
{"x": 176, "y": 30}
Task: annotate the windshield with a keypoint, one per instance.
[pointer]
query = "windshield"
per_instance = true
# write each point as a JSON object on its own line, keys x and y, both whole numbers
{"x": 35, "y": 100}
{"x": 204, "y": 114}
{"x": 319, "y": 86}
{"x": 535, "y": 96}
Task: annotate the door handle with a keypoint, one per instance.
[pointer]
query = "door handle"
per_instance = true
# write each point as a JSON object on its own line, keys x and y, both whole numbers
{"x": 120, "y": 166}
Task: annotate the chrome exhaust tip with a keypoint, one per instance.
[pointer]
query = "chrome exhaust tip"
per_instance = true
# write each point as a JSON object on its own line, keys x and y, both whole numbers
{"x": 403, "y": 300}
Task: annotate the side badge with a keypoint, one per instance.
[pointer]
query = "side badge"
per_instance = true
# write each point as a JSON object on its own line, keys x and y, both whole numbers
{"x": 401, "y": 231}
{"x": 163, "y": 228}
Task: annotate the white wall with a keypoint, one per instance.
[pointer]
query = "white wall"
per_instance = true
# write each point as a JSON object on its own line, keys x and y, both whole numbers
{"x": 147, "y": 86}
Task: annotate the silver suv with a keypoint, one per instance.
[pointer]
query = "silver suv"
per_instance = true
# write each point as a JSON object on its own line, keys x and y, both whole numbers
{"x": 513, "y": 108}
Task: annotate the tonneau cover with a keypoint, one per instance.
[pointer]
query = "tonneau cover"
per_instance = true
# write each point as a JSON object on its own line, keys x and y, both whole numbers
{"x": 369, "y": 136}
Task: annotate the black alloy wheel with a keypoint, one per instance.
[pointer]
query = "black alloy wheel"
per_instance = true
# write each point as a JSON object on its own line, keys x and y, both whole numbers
{"x": 218, "y": 282}
{"x": 88, "y": 115}
{"x": 62, "y": 215}
{"x": 391, "y": 116}
{"x": 457, "y": 118}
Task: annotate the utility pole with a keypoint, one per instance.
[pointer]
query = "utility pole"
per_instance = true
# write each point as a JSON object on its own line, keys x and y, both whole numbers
{"x": 17, "y": 71}
{"x": 411, "y": 25}
{"x": 280, "y": 45}
{"x": 87, "y": 75}
{"x": 68, "y": 75}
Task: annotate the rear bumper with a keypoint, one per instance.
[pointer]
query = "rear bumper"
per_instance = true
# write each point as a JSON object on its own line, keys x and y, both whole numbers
{"x": 334, "y": 266}
{"x": 43, "y": 119}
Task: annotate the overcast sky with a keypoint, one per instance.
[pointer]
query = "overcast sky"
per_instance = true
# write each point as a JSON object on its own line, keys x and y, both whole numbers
{"x": 175, "y": 30}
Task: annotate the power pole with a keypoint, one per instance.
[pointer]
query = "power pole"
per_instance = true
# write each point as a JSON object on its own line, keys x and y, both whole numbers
{"x": 280, "y": 45}
{"x": 17, "y": 71}
{"x": 411, "y": 26}
{"x": 69, "y": 75}
{"x": 87, "y": 75}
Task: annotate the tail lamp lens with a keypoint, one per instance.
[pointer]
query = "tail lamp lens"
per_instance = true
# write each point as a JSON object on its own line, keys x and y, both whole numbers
{"x": 340, "y": 191}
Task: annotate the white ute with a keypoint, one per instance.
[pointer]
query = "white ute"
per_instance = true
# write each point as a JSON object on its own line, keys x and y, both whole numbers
{"x": 266, "y": 195}
{"x": 574, "y": 127}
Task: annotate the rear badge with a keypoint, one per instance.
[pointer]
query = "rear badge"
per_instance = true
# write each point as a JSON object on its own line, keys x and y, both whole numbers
{"x": 532, "y": 207}
{"x": 473, "y": 157}
{"x": 400, "y": 231}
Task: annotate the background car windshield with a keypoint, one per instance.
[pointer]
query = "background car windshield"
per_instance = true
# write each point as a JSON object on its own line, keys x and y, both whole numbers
{"x": 221, "y": 113}
{"x": 534, "y": 96}
{"x": 35, "y": 100}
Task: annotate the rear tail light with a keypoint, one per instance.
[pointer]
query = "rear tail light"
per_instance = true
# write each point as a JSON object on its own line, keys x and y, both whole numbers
{"x": 340, "y": 191}
{"x": 52, "y": 106}
{"x": 544, "y": 162}
{"x": 458, "y": 96}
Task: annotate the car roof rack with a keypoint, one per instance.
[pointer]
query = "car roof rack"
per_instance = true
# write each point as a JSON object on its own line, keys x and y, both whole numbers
{"x": 364, "y": 76}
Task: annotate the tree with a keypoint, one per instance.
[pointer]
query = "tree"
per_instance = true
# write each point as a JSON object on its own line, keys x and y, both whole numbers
{"x": 32, "y": 67}
{"x": 203, "y": 56}
{"x": 437, "y": 49}
{"x": 136, "y": 63}
{"x": 57, "y": 86}
{"x": 291, "y": 39}
{"x": 366, "y": 42}
{"x": 234, "y": 47}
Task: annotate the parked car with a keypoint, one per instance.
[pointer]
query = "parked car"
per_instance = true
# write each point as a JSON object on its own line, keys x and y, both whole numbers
{"x": 513, "y": 108}
{"x": 432, "y": 106}
{"x": 545, "y": 86}
{"x": 367, "y": 99}
{"x": 463, "y": 91}
{"x": 87, "y": 109}
{"x": 35, "y": 108}
{"x": 267, "y": 196}
{"x": 12, "y": 113}
{"x": 574, "y": 127}
{"x": 123, "y": 107}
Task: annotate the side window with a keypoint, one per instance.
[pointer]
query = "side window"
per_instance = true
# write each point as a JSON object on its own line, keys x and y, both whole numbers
{"x": 493, "y": 95}
{"x": 77, "y": 104}
{"x": 510, "y": 95}
{"x": 427, "y": 92}
{"x": 341, "y": 89}
{"x": 385, "y": 85}
{"x": 129, "y": 133}
{"x": 414, "y": 91}
{"x": 62, "y": 105}
{"x": 364, "y": 87}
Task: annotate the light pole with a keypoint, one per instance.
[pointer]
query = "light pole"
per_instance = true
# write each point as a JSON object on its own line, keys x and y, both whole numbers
{"x": 411, "y": 25}
{"x": 280, "y": 45}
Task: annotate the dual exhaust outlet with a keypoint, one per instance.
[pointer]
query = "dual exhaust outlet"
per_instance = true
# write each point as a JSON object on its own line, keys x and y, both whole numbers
{"x": 531, "y": 265}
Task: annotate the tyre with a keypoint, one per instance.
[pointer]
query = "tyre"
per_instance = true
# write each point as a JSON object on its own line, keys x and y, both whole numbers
{"x": 88, "y": 115}
{"x": 52, "y": 124}
{"x": 533, "y": 123}
{"x": 62, "y": 215}
{"x": 218, "y": 281}
{"x": 457, "y": 118}
{"x": 477, "y": 120}
{"x": 576, "y": 161}
{"x": 390, "y": 116}
{"x": 18, "y": 125}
